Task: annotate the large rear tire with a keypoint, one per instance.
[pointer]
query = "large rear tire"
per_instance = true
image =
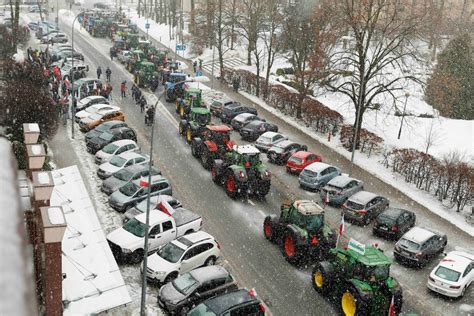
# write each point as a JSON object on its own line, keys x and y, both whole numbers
{"x": 215, "y": 174}
{"x": 263, "y": 188}
{"x": 353, "y": 303}
{"x": 230, "y": 186}
{"x": 181, "y": 129}
{"x": 268, "y": 230}
{"x": 289, "y": 248}
{"x": 322, "y": 277}
{"x": 206, "y": 159}
{"x": 189, "y": 134}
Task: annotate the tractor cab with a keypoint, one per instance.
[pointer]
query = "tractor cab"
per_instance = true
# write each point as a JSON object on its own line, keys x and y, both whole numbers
{"x": 246, "y": 156}
{"x": 193, "y": 95}
{"x": 220, "y": 135}
{"x": 305, "y": 214}
{"x": 201, "y": 116}
{"x": 147, "y": 67}
{"x": 175, "y": 77}
{"x": 144, "y": 45}
{"x": 131, "y": 40}
{"x": 138, "y": 55}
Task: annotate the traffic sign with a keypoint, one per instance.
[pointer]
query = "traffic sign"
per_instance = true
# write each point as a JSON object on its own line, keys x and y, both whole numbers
{"x": 147, "y": 25}
{"x": 180, "y": 47}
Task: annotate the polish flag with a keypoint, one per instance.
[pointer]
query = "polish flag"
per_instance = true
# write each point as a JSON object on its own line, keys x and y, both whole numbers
{"x": 327, "y": 197}
{"x": 341, "y": 225}
{"x": 144, "y": 183}
{"x": 391, "y": 310}
{"x": 95, "y": 86}
{"x": 164, "y": 206}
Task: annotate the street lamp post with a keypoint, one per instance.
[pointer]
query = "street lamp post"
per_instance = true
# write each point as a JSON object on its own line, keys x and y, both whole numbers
{"x": 73, "y": 103}
{"x": 147, "y": 221}
{"x": 407, "y": 94}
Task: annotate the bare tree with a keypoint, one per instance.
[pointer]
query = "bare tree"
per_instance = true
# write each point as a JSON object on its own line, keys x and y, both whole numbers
{"x": 432, "y": 137}
{"x": 220, "y": 34}
{"x": 375, "y": 66}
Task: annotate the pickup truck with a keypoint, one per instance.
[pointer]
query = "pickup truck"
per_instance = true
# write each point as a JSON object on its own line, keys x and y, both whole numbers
{"x": 127, "y": 242}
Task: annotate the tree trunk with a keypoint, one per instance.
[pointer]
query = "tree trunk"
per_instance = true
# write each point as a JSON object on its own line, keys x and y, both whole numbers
{"x": 232, "y": 26}
{"x": 249, "y": 55}
{"x": 257, "y": 64}
{"x": 192, "y": 18}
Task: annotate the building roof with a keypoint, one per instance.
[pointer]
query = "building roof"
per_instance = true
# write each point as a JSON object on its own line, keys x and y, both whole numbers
{"x": 93, "y": 282}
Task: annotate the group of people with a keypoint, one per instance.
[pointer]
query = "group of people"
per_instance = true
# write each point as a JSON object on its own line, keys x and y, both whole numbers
{"x": 140, "y": 100}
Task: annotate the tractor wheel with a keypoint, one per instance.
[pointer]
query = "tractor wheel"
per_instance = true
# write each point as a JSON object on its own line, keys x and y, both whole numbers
{"x": 353, "y": 303}
{"x": 138, "y": 81}
{"x": 129, "y": 67}
{"x": 230, "y": 186}
{"x": 206, "y": 159}
{"x": 194, "y": 150}
{"x": 181, "y": 129}
{"x": 189, "y": 134}
{"x": 268, "y": 229}
{"x": 182, "y": 112}
{"x": 263, "y": 188}
{"x": 322, "y": 277}
{"x": 215, "y": 174}
{"x": 177, "y": 106}
{"x": 137, "y": 256}
{"x": 289, "y": 248}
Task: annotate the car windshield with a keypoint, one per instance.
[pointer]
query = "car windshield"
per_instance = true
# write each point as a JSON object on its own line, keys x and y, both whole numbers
{"x": 106, "y": 136}
{"x": 129, "y": 189}
{"x": 379, "y": 272}
{"x": 110, "y": 148}
{"x": 408, "y": 244}
{"x": 295, "y": 160}
{"x": 447, "y": 274}
{"x": 118, "y": 161}
{"x": 171, "y": 252}
{"x": 185, "y": 284}
{"x": 123, "y": 175}
{"x": 101, "y": 128}
{"x": 202, "y": 118}
{"x": 310, "y": 173}
{"x": 252, "y": 159}
{"x": 384, "y": 219}
{"x": 135, "y": 227}
{"x": 201, "y": 310}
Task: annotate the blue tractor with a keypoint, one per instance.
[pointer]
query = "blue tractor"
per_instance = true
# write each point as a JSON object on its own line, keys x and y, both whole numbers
{"x": 174, "y": 86}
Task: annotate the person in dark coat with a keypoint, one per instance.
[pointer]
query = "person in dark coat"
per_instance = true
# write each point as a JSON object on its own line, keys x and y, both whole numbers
{"x": 142, "y": 103}
{"x": 108, "y": 72}
{"x": 99, "y": 72}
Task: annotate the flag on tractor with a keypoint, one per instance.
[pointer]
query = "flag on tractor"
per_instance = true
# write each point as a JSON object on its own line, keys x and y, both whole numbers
{"x": 341, "y": 225}
{"x": 391, "y": 310}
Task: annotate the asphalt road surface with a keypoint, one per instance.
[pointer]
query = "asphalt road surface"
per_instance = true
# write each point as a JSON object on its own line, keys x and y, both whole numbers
{"x": 237, "y": 225}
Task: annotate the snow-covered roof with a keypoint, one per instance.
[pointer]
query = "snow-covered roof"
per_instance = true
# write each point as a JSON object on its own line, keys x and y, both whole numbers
{"x": 247, "y": 150}
{"x": 317, "y": 166}
{"x": 16, "y": 281}
{"x": 307, "y": 207}
{"x": 362, "y": 197}
{"x": 93, "y": 280}
{"x": 418, "y": 234}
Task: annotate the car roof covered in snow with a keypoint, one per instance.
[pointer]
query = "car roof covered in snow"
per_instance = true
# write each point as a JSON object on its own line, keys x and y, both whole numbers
{"x": 418, "y": 235}
{"x": 457, "y": 260}
{"x": 340, "y": 181}
{"x": 362, "y": 197}
{"x": 307, "y": 207}
{"x": 246, "y": 149}
{"x": 317, "y": 166}
{"x": 209, "y": 273}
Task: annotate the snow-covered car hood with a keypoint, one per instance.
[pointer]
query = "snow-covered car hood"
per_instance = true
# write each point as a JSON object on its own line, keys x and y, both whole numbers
{"x": 169, "y": 294}
{"x": 119, "y": 198}
{"x": 113, "y": 183}
{"x": 109, "y": 168}
{"x": 86, "y": 120}
{"x": 124, "y": 239}
{"x": 156, "y": 263}
{"x": 103, "y": 155}
{"x": 83, "y": 114}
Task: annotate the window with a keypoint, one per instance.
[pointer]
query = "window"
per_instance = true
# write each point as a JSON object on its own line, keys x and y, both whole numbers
{"x": 121, "y": 150}
{"x": 218, "y": 282}
{"x": 129, "y": 163}
{"x": 139, "y": 160}
{"x": 469, "y": 268}
{"x": 155, "y": 230}
{"x": 190, "y": 253}
{"x": 325, "y": 171}
{"x": 167, "y": 225}
{"x": 252, "y": 309}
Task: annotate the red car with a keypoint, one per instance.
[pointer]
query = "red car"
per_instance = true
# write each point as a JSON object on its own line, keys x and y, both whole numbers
{"x": 300, "y": 159}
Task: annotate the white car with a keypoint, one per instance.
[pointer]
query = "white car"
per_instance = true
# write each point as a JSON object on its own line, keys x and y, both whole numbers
{"x": 116, "y": 148}
{"x": 453, "y": 275}
{"x": 121, "y": 161}
{"x": 268, "y": 139}
{"x": 89, "y": 101}
{"x": 182, "y": 255}
{"x": 95, "y": 109}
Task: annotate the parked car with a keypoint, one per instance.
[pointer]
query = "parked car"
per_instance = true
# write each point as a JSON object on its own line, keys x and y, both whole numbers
{"x": 339, "y": 189}
{"x": 90, "y": 100}
{"x": 88, "y": 123}
{"x": 104, "y": 127}
{"x": 231, "y": 111}
{"x": 33, "y": 25}
{"x": 240, "y": 302}
{"x": 243, "y": 119}
{"x": 78, "y": 71}
{"x": 121, "y": 161}
{"x": 58, "y": 38}
{"x": 393, "y": 223}
{"x": 364, "y": 206}
{"x": 282, "y": 151}
{"x": 116, "y": 148}
{"x": 194, "y": 287}
{"x": 66, "y": 54}
{"x": 419, "y": 245}
{"x": 83, "y": 86}
{"x": 182, "y": 255}
{"x": 317, "y": 175}
{"x": 120, "y": 178}
{"x": 126, "y": 242}
{"x": 36, "y": 9}
{"x": 254, "y": 129}
{"x": 217, "y": 105}
{"x": 46, "y": 37}
{"x": 124, "y": 56}
{"x": 300, "y": 159}
{"x": 453, "y": 275}
{"x": 268, "y": 139}
{"x": 134, "y": 192}
{"x": 94, "y": 109}
{"x": 97, "y": 143}
{"x": 154, "y": 200}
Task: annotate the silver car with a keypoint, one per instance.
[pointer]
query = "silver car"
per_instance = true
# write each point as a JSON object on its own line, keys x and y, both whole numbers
{"x": 242, "y": 119}
{"x": 141, "y": 207}
{"x": 122, "y": 177}
{"x": 268, "y": 139}
{"x": 316, "y": 175}
{"x": 339, "y": 189}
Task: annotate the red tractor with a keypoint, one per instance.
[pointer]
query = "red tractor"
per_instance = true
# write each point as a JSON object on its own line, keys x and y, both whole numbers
{"x": 214, "y": 143}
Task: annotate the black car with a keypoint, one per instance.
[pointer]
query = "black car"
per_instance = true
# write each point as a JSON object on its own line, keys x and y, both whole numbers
{"x": 91, "y": 100}
{"x": 282, "y": 151}
{"x": 104, "y": 127}
{"x": 231, "y": 111}
{"x": 364, "y": 206}
{"x": 393, "y": 223}
{"x": 97, "y": 143}
{"x": 194, "y": 287}
{"x": 217, "y": 106}
{"x": 419, "y": 245}
{"x": 254, "y": 129}
{"x": 241, "y": 302}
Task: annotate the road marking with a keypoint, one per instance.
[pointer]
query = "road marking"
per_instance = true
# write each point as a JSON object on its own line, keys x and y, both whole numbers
{"x": 262, "y": 213}
{"x": 251, "y": 202}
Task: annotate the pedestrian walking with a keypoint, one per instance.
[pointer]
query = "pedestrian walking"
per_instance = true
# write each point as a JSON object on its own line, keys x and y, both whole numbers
{"x": 108, "y": 72}
{"x": 109, "y": 92}
{"x": 150, "y": 115}
{"x": 142, "y": 103}
{"x": 123, "y": 89}
{"x": 138, "y": 96}
{"x": 200, "y": 64}
{"x": 236, "y": 83}
{"x": 134, "y": 92}
{"x": 99, "y": 72}
{"x": 194, "y": 66}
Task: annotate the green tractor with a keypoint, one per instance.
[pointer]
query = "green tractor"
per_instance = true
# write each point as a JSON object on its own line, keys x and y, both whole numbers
{"x": 242, "y": 173}
{"x": 301, "y": 231}
{"x": 133, "y": 64}
{"x": 359, "y": 277}
{"x": 191, "y": 99}
{"x": 145, "y": 73}
{"x": 195, "y": 125}
{"x": 131, "y": 41}
{"x": 99, "y": 28}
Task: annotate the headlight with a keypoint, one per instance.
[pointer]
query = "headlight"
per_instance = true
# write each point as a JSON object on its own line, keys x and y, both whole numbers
{"x": 124, "y": 250}
{"x": 160, "y": 273}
